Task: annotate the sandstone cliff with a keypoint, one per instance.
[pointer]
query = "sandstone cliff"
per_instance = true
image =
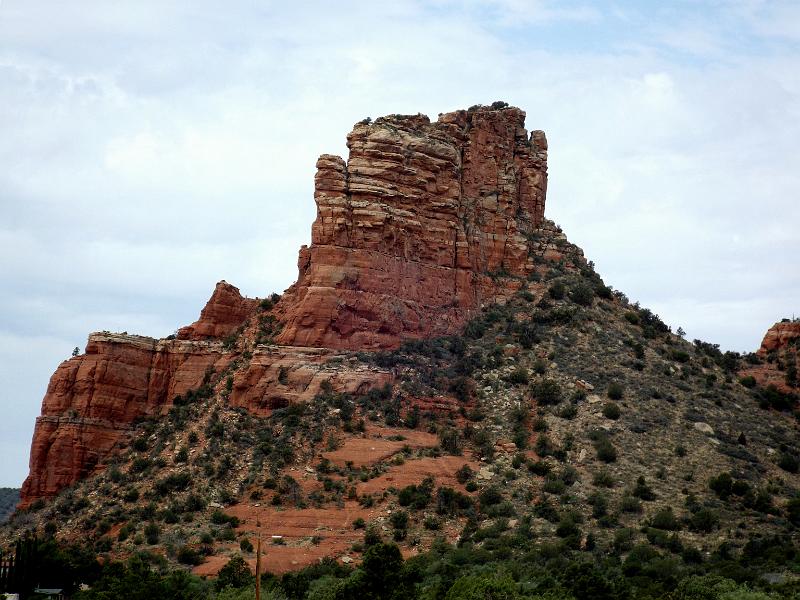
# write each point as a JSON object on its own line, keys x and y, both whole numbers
{"x": 779, "y": 356}
{"x": 92, "y": 399}
{"x": 425, "y": 223}
{"x": 422, "y": 224}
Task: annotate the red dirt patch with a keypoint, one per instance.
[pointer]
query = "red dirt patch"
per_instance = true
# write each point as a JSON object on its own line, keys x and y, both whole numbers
{"x": 376, "y": 446}
{"x": 442, "y": 469}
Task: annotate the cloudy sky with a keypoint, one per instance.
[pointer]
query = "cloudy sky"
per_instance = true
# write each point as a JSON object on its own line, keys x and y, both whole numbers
{"x": 150, "y": 149}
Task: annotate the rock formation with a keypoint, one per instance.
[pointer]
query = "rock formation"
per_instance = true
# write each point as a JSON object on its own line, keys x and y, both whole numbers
{"x": 779, "y": 336}
{"x": 419, "y": 227}
{"x": 423, "y": 224}
{"x": 223, "y": 314}
{"x": 780, "y": 349}
{"x": 92, "y": 399}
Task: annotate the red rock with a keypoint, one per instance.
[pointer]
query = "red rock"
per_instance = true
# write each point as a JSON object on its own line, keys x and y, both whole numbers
{"x": 778, "y": 336}
{"x": 277, "y": 376}
{"x": 224, "y": 313}
{"x": 92, "y": 399}
{"x": 413, "y": 231}
{"x": 779, "y": 345}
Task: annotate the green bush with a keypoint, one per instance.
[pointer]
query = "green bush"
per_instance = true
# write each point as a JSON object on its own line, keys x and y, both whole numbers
{"x": 603, "y": 479}
{"x": 399, "y": 519}
{"x": 605, "y": 450}
{"x": 519, "y": 376}
{"x": 557, "y": 290}
{"x": 611, "y": 410}
{"x": 704, "y": 520}
{"x": 615, "y": 390}
{"x": 665, "y": 519}
{"x": 547, "y": 391}
{"x": 582, "y": 294}
{"x": 189, "y": 556}
{"x": 788, "y": 462}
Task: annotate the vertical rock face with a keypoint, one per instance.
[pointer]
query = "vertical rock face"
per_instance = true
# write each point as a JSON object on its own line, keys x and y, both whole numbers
{"x": 417, "y": 228}
{"x": 92, "y": 400}
{"x": 224, "y": 312}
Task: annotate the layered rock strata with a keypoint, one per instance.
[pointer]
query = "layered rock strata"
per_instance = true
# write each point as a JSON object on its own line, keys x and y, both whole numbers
{"x": 92, "y": 400}
{"x": 424, "y": 223}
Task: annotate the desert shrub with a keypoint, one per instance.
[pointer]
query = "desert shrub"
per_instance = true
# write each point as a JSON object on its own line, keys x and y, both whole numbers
{"x": 679, "y": 355}
{"x": 605, "y": 450}
{"x": 519, "y": 376}
{"x": 704, "y": 520}
{"x": 490, "y": 496}
{"x": 788, "y": 462}
{"x": 152, "y": 533}
{"x": 557, "y": 290}
{"x": 721, "y": 485}
{"x": 569, "y": 412}
{"x": 246, "y": 545}
{"x": 611, "y": 410}
{"x": 642, "y": 490}
{"x": 451, "y": 502}
{"x": 630, "y": 504}
{"x": 749, "y": 381}
{"x": 235, "y": 574}
{"x": 416, "y": 496}
{"x": 189, "y": 556}
{"x": 173, "y": 483}
{"x": 665, "y": 519}
{"x": 547, "y": 391}
{"x": 615, "y": 390}
{"x": 603, "y": 479}
{"x": 582, "y": 294}
{"x": 399, "y": 519}
{"x": 464, "y": 474}
{"x": 220, "y": 518}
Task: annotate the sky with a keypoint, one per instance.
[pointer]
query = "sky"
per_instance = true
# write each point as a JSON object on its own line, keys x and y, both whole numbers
{"x": 150, "y": 149}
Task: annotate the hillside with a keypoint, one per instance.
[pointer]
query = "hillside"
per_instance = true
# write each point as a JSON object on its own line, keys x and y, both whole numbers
{"x": 8, "y": 502}
{"x": 544, "y": 418}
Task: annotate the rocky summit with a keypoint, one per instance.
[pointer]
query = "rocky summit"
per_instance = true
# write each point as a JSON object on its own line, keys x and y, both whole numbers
{"x": 448, "y": 373}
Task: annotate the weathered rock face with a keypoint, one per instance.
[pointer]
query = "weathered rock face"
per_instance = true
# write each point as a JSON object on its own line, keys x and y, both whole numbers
{"x": 417, "y": 229}
{"x": 779, "y": 349}
{"x": 92, "y": 399}
{"x": 779, "y": 336}
{"x": 223, "y": 314}
{"x": 277, "y": 376}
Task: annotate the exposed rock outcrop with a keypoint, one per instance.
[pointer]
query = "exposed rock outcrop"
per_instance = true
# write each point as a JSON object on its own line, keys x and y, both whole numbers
{"x": 92, "y": 400}
{"x": 779, "y": 336}
{"x": 223, "y": 314}
{"x": 780, "y": 356}
{"x": 424, "y": 223}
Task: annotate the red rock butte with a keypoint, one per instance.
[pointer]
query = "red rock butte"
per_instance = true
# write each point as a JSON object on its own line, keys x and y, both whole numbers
{"x": 424, "y": 223}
